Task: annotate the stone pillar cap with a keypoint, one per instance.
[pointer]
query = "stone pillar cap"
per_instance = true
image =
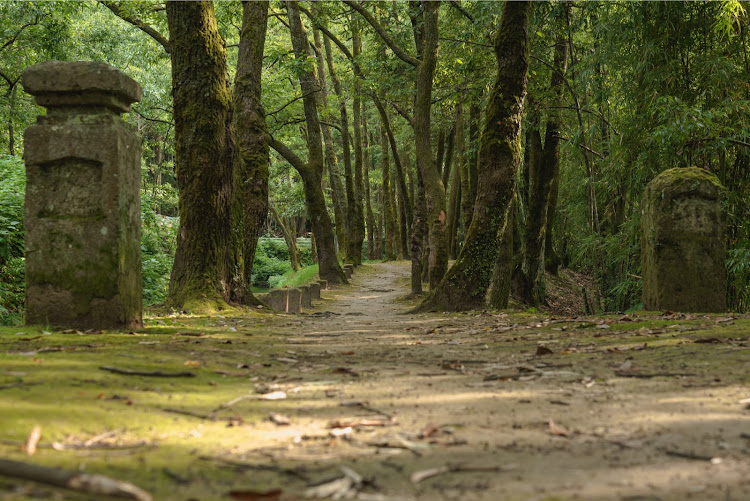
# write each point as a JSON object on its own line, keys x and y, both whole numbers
{"x": 57, "y": 84}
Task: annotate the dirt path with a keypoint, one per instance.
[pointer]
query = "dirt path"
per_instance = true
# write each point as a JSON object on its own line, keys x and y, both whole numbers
{"x": 470, "y": 390}
{"x": 476, "y": 406}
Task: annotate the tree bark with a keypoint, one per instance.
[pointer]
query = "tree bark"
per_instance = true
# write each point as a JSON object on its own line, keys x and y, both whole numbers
{"x": 312, "y": 171}
{"x": 470, "y": 194}
{"x": 202, "y": 96}
{"x": 465, "y": 286}
{"x": 250, "y": 196}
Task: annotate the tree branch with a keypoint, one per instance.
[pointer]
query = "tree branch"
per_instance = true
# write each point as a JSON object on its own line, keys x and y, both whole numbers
{"x": 457, "y": 5}
{"x": 289, "y": 103}
{"x": 383, "y": 34}
{"x": 18, "y": 33}
{"x": 287, "y": 154}
{"x": 138, "y": 23}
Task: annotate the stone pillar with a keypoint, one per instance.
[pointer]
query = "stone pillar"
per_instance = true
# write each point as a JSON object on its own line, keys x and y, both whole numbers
{"x": 277, "y": 299}
{"x": 83, "y": 175}
{"x": 348, "y": 270}
{"x": 682, "y": 242}
{"x": 315, "y": 290}
{"x": 294, "y": 305}
{"x": 306, "y": 296}
{"x": 323, "y": 285}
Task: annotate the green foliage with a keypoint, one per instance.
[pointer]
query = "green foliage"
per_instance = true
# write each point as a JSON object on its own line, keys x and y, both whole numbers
{"x": 738, "y": 274}
{"x": 12, "y": 186}
{"x": 272, "y": 261}
{"x": 158, "y": 245}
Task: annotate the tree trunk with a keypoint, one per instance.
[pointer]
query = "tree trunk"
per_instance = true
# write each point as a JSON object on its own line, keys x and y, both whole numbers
{"x": 418, "y": 230}
{"x": 403, "y": 194}
{"x": 331, "y": 161}
{"x": 312, "y": 171}
{"x": 389, "y": 251}
{"x": 289, "y": 238}
{"x": 371, "y": 249}
{"x": 202, "y": 97}
{"x": 500, "y": 286}
{"x": 426, "y": 35}
{"x": 465, "y": 286}
{"x": 470, "y": 194}
{"x": 250, "y": 196}
{"x": 11, "y": 130}
{"x": 455, "y": 191}
{"x": 357, "y": 231}
{"x": 542, "y": 173}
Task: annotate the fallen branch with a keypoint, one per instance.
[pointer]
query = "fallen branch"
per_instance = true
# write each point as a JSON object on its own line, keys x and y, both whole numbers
{"x": 209, "y": 417}
{"x": 129, "y": 372}
{"x": 16, "y": 385}
{"x": 83, "y": 482}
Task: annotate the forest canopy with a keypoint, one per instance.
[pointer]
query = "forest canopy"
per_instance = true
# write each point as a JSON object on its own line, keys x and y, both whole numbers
{"x": 372, "y": 116}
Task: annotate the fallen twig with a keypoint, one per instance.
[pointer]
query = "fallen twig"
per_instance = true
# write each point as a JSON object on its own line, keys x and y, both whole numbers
{"x": 184, "y": 412}
{"x": 420, "y": 475}
{"x": 83, "y": 482}
{"x": 687, "y": 455}
{"x": 255, "y": 466}
{"x": 129, "y": 372}
{"x": 17, "y": 384}
{"x": 653, "y": 374}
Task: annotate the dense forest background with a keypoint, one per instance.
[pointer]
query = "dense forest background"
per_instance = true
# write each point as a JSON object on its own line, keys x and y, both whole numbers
{"x": 617, "y": 92}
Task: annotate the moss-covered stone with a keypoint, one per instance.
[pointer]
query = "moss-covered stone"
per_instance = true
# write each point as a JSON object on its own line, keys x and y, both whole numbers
{"x": 682, "y": 242}
{"x": 83, "y": 254}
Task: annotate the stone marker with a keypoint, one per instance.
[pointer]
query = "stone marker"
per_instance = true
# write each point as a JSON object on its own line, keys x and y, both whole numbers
{"x": 323, "y": 285}
{"x": 83, "y": 175}
{"x": 294, "y": 304}
{"x": 348, "y": 270}
{"x": 682, "y": 242}
{"x": 315, "y": 290}
{"x": 306, "y": 296}
{"x": 277, "y": 299}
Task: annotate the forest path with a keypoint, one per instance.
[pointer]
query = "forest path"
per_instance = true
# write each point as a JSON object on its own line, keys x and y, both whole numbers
{"x": 489, "y": 406}
{"x": 546, "y": 407}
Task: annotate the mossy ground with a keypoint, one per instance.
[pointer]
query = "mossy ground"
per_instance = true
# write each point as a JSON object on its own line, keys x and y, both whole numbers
{"x": 477, "y": 376}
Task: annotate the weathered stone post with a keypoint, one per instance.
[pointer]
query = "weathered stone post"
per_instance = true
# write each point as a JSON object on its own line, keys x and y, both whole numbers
{"x": 83, "y": 251}
{"x": 682, "y": 242}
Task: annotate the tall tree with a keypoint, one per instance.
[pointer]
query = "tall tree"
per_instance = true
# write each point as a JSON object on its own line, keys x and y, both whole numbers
{"x": 311, "y": 171}
{"x": 202, "y": 96}
{"x": 250, "y": 183}
{"x": 424, "y": 18}
{"x": 465, "y": 286}
{"x": 544, "y": 168}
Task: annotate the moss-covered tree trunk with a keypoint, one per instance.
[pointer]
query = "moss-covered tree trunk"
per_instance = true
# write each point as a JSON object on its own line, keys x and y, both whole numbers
{"x": 311, "y": 172}
{"x": 426, "y": 37}
{"x": 389, "y": 250}
{"x": 356, "y": 233}
{"x": 202, "y": 96}
{"x": 331, "y": 159}
{"x": 403, "y": 214}
{"x": 369, "y": 215}
{"x": 469, "y": 181}
{"x": 418, "y": 230}
{"x": 542, "y": 173}
{"x": 454, "y": 208}
{"x": 250, "y": 195}
{"x": 465, "y": 286}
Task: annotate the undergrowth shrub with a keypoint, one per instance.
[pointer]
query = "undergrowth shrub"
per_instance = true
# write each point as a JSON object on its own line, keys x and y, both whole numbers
{"x": 158, "y": 245}
{"x": 12, "y": 281}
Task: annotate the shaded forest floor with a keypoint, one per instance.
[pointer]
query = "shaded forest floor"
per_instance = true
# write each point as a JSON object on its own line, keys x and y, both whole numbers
{"x": 356, "y": 399}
